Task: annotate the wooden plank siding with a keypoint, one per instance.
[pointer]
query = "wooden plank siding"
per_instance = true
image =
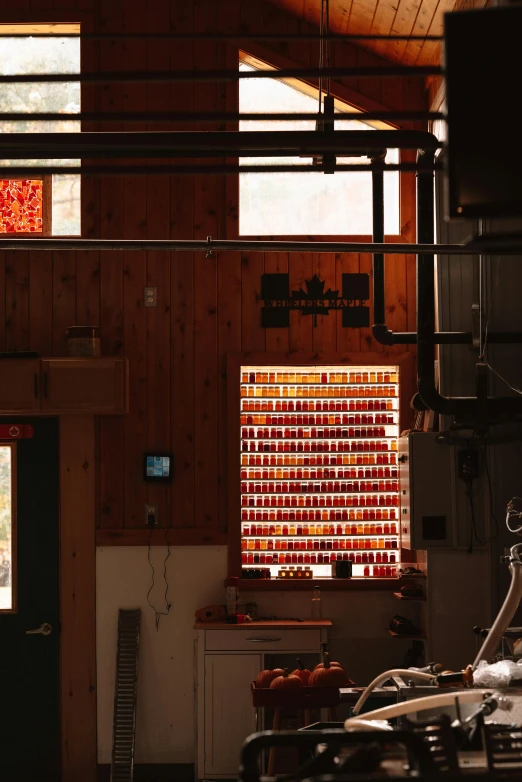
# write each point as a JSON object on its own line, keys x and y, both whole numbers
{"x": 206, "y": 307}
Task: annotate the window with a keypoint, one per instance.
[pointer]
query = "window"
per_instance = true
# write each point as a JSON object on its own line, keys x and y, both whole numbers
{"x": 319, "y": 472}
{"x": 45, "y": 205}
{"x": 6, "y": 528}
{"x": 307, "y": 203}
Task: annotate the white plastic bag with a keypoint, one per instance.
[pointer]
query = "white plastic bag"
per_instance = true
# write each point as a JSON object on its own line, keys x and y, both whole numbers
{"x": 496, "y": 675}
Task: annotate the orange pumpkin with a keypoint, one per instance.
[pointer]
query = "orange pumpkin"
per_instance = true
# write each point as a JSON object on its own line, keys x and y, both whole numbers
{"x": 303, "y": 673}
{"x": 329, "y": 675}
{"x": 265, "y": 678}
{"x": 286, "y": 681}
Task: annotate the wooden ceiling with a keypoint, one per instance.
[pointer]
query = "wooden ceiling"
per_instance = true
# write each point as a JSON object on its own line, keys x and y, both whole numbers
{"x": 386, "y": 17}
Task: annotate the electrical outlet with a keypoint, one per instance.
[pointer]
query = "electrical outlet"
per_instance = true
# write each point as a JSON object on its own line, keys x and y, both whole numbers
{"x": 150, "y": 296}
{"x": 151, "y": 515}
{"x": 468, "y": 464}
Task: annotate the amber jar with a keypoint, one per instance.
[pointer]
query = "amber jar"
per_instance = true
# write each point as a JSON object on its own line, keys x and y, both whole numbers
{"x": 83, "y": 341}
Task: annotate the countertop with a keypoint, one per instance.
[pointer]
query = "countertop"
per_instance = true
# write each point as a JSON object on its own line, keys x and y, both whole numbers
{"x": 292, "y": 624}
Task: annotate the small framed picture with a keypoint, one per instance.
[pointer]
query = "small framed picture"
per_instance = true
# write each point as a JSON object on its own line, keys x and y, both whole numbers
{"x": 157, "y": 467}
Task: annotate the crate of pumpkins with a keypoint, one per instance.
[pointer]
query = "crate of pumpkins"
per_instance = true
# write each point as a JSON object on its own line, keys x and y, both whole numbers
{"x": 301, "y": 688}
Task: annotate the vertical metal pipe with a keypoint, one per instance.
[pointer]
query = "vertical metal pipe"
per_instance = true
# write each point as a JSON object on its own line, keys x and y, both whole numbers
{"x": 379, "y": 316}
{"x": 426, "y": 287}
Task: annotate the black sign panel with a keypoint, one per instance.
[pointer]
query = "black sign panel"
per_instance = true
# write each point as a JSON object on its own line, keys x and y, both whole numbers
{"x": 315, "y": 300}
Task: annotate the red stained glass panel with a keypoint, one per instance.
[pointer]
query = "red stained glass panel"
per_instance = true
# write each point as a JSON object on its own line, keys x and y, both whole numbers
{"x": 21, "y": 206}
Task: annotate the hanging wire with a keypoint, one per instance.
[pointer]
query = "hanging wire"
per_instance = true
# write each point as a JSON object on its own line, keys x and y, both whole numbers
{"x": 514, "y": 388}
{"x": 481, "y": 291}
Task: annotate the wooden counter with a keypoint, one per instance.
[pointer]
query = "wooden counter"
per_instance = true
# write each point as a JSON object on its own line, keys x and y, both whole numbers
{"x": 289, "y": 623}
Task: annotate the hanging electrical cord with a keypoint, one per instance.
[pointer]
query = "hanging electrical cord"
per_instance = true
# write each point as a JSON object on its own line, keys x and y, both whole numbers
{"x": 168, "y": 606}
{"x": 483, "y": 352}
{"x": 491, "y": 510}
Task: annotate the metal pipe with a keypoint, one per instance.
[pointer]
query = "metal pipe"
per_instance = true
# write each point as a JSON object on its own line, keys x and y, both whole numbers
{"x": 230, "y": 75}
{"x": 236, "y": 143}
{"x": 7, "y": 242}
{"x": 189, "y": 170}
{"x": 213, "y": 116}
{"x": 379, "y": 329}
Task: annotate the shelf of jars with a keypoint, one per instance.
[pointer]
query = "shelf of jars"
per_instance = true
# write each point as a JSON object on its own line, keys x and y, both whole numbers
{"x": 319, "y": 478}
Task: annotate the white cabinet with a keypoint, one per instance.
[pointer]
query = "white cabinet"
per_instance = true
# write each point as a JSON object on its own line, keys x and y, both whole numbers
{"x": 229, "y": 657}
{"x": 229, "y": 715}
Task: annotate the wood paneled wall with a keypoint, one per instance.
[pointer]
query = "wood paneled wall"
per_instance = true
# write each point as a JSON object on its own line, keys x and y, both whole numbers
{"x": 206, "y": 306}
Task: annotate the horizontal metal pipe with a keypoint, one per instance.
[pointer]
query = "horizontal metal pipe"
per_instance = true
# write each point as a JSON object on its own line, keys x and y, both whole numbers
{"x": 214, "y": 116}
{"x": 234, "y": 245}
{"x": 191, "y": 170}
{"x": 170, "y": 144}
{"x": 191, "y": 36}
{"x": 355, "y": 72}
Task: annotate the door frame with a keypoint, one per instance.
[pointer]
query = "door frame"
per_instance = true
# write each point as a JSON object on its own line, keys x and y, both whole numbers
{"x": 77, "y": 504}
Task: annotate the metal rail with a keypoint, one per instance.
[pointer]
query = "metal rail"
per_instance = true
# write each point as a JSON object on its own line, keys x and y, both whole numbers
{"x": 126, "y": 689}
{"x": 243, "y": 245}
{"x": 104, "y": 77}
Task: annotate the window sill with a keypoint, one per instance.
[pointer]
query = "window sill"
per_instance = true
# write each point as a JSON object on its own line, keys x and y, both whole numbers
{"x": 328, "y": 584}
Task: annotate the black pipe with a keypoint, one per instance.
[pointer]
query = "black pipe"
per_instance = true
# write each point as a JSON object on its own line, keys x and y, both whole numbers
{"x": 231, "y": 75}
{"x": 259, "y": 143}
{"x": 379, "y": 330}
{"x": 109, "y": 36}
{"x": 196, "y": 170}
{"x": 208, "y": 116}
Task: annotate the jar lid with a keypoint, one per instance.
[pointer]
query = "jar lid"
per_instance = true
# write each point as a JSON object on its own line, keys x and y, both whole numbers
{"x": 83, "y": 331}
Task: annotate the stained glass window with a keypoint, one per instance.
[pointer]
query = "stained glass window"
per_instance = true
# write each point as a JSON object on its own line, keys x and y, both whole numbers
{"x": 21, "y": 205}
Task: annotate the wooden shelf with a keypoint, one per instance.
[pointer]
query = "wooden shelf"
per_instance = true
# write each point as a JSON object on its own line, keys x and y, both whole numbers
{"x": 419, "y": 598}
{"x": 406, "y": 636}
{"x": 326, "y": 584}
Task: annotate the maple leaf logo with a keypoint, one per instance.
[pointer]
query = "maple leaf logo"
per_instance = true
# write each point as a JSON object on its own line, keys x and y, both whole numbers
{"x": 315, "y": 290}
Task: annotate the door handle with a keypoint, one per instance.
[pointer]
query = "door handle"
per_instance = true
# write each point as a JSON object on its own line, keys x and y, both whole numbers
{"x": 263, "y": 640}
{"x": 44, "y": 629}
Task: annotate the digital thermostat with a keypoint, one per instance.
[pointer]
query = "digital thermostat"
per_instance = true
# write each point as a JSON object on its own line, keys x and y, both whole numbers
{"x": 157, "y": 467}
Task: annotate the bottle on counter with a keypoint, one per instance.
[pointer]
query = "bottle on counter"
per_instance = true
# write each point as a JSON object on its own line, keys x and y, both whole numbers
{"x": 232, "y": 595}
{"x": 317, "y": 609}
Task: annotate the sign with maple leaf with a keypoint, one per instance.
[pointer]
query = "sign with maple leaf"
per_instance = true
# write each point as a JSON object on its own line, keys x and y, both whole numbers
{"x": 277, "y": 300}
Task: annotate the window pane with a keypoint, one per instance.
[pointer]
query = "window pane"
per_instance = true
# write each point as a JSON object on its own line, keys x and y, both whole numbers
{"x": 23, "y": 54}
{"x": 20, "y": 205}
{"x": 311, "y": 203}
{"x": 6, "y": 523}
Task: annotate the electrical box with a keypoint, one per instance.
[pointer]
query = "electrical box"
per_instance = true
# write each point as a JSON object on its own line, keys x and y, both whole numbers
{"x": 427, "y": 473}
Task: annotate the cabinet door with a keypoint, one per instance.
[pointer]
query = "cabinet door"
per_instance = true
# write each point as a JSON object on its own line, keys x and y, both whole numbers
{"x": 19, "y": 385}
{"x": 229, "y": 714}
{"x": 90, "y": 385}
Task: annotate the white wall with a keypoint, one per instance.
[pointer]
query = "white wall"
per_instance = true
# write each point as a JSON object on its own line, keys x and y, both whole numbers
{"x": 165, "y": 723}
{"x": 164, "y": 730}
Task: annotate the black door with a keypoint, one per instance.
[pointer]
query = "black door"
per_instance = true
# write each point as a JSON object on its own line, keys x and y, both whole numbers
{"x": 29, "y": 594}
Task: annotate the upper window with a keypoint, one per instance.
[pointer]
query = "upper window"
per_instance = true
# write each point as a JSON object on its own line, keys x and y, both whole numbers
{"x": 40, "y": 205}
{"x": 307, "y": 203}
